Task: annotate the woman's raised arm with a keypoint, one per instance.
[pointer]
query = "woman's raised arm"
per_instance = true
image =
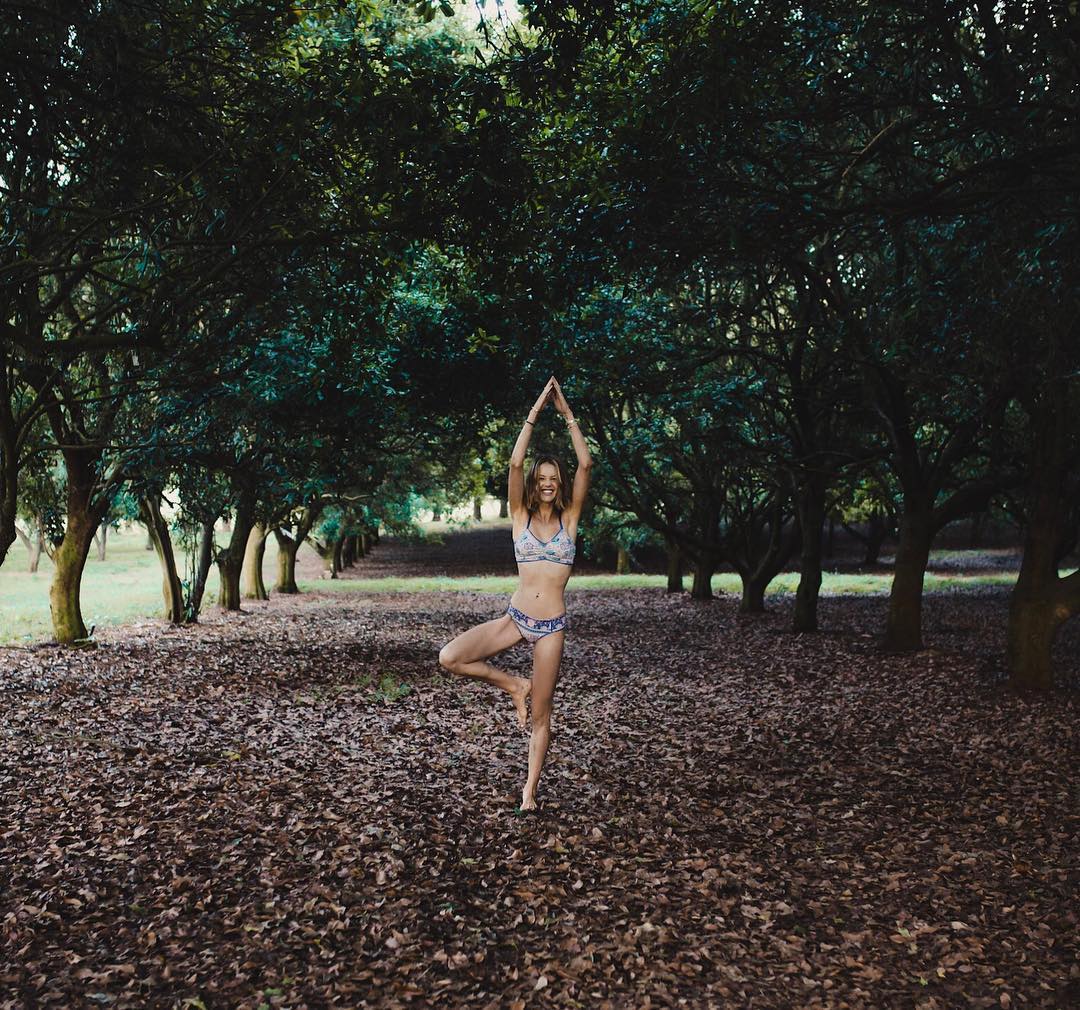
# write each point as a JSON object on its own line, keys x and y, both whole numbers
{"x": 583, "y": 474}
{"x": 515, "y": 484}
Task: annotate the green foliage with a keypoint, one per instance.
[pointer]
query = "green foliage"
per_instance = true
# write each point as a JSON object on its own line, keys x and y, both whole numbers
{"x": 603, "y": 529}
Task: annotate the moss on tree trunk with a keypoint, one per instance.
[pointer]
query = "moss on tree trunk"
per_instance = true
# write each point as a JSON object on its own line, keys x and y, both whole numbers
{"x": 70, "y": 560}
{"x": 83, "y": 515}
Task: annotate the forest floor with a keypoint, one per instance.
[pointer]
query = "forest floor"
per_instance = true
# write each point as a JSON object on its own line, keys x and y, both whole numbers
{"x": 294, "y": 807}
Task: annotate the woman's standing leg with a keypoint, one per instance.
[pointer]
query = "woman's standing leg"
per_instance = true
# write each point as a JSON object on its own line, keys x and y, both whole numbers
{"x": 467, "y": 653}
{"x": 547, "y": 657}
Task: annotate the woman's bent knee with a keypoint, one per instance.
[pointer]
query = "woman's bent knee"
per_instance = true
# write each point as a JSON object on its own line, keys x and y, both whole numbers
{"x": 446, "y": 659}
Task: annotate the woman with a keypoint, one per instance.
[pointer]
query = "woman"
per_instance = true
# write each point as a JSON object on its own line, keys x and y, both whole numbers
{"x": 545, "y": 513}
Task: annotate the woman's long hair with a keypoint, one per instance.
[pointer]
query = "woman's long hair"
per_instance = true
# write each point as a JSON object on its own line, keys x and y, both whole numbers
{"x": 532, "y": 485}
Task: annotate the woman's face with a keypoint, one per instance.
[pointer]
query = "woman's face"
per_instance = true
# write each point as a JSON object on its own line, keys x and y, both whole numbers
{"x": 547, "y": 482}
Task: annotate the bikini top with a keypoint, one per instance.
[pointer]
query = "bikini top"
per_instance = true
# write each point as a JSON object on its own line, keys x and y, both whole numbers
{"x": 560, "y": 548}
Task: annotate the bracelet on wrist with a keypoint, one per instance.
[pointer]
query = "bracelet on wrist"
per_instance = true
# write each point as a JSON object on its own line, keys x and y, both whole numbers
{"x": 570, "y": 421}
{"x": 533, "y": 423}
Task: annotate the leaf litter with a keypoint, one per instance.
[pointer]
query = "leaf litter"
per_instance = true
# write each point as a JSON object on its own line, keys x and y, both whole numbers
{"x": 295, "y": 807}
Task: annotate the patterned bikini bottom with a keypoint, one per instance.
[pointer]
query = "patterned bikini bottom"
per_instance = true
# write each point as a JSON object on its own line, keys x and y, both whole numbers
{"x": 534, "y": 628}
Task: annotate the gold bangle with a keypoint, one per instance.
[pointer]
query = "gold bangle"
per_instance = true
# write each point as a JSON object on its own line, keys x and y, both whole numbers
{"x": 570, "y": 421}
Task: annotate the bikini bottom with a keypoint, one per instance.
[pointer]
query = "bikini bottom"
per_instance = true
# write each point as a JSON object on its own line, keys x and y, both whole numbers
{"x": 534, "y": 628}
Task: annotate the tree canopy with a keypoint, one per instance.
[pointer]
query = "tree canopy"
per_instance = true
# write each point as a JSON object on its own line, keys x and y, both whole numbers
{"x": 303, "y": 263}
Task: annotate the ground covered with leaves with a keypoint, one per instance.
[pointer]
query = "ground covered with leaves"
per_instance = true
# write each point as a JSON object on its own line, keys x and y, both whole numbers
{"x": 294, "y": 807}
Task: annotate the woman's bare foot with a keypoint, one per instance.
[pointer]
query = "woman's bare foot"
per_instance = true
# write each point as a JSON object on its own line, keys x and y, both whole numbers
{"x": 519, "y": 692}
{"x": 528, "y": 801}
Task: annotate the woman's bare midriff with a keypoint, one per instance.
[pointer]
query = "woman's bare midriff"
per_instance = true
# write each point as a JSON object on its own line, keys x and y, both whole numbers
{"x": 540, "y": 591}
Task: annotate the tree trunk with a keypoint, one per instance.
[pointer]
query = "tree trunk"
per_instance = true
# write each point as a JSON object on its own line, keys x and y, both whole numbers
{"x": 476, "y": 513}
{"x": 83, "y": 517}
{"x": 903, "y": 629}
{"x": 877, "y": 529}
{"x": 701, "y": 587}
{"x": 504, "y": 508}
{"x": 100, "y": 536}
{"x": 753, "y": 593}
{"x": 622, "y": 560}
{"x": 172, "y": 589}
{"x": 1033, "y": 626}
{"x": 252, "y": 572}
{"x": 811, "y": 520}
{"x": 286, "y": 577}
{"x": 335, "y": 557}
{"x": 9, "y": 481}
{"x": 348, "y": 551}
{"x": 978, "y": 521}
{"x": 436, "y": 516}
{"x": 37, "y": 547}
{"x": 1041, "y": 600}
{"x": 70, "y": 559}
{"x": 288, "y": 547}
{"x": 760, "y": 552}
{"x": 34, "y": 541}
{"x": 674, "y": 568}
{"x": 229, "y": 577}
{"x": 193, "y": 605}
{"x": 230, "y": 561}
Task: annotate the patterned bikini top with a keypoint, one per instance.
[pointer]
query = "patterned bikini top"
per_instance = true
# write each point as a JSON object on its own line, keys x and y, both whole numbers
{"x": 560, "y": 548}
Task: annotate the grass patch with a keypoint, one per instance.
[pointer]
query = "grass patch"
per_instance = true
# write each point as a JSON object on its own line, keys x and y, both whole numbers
{"x": 126, "y": 586}
{"x": 123, "y": 587}
{"x": 833, "y": 584}
{"x": 390, "y": 689}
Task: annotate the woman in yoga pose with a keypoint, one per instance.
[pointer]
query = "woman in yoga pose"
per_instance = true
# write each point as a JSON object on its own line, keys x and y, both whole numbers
{"x": 545, "y": 512}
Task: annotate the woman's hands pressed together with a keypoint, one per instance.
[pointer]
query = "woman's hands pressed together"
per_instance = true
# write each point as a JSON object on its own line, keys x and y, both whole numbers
{"x": 558, "y": 399}
{"x": 543, "y": 399}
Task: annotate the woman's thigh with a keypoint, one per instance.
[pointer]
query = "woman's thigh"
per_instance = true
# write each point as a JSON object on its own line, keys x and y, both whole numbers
{"x": 547, "y": 659}
{"x": 482, "y": 641}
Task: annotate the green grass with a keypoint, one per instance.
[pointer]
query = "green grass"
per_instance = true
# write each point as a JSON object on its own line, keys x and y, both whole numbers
{"x": 728, "y": 582}
{"x": 127, "y": 586}
{"x": 124, "y": 587}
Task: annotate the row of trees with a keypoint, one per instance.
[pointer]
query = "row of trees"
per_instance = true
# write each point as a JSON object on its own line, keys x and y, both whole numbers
{"x": 788, "y": 263}
{"x": 820, "y": 260}
{"x": 220, "y": 280}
